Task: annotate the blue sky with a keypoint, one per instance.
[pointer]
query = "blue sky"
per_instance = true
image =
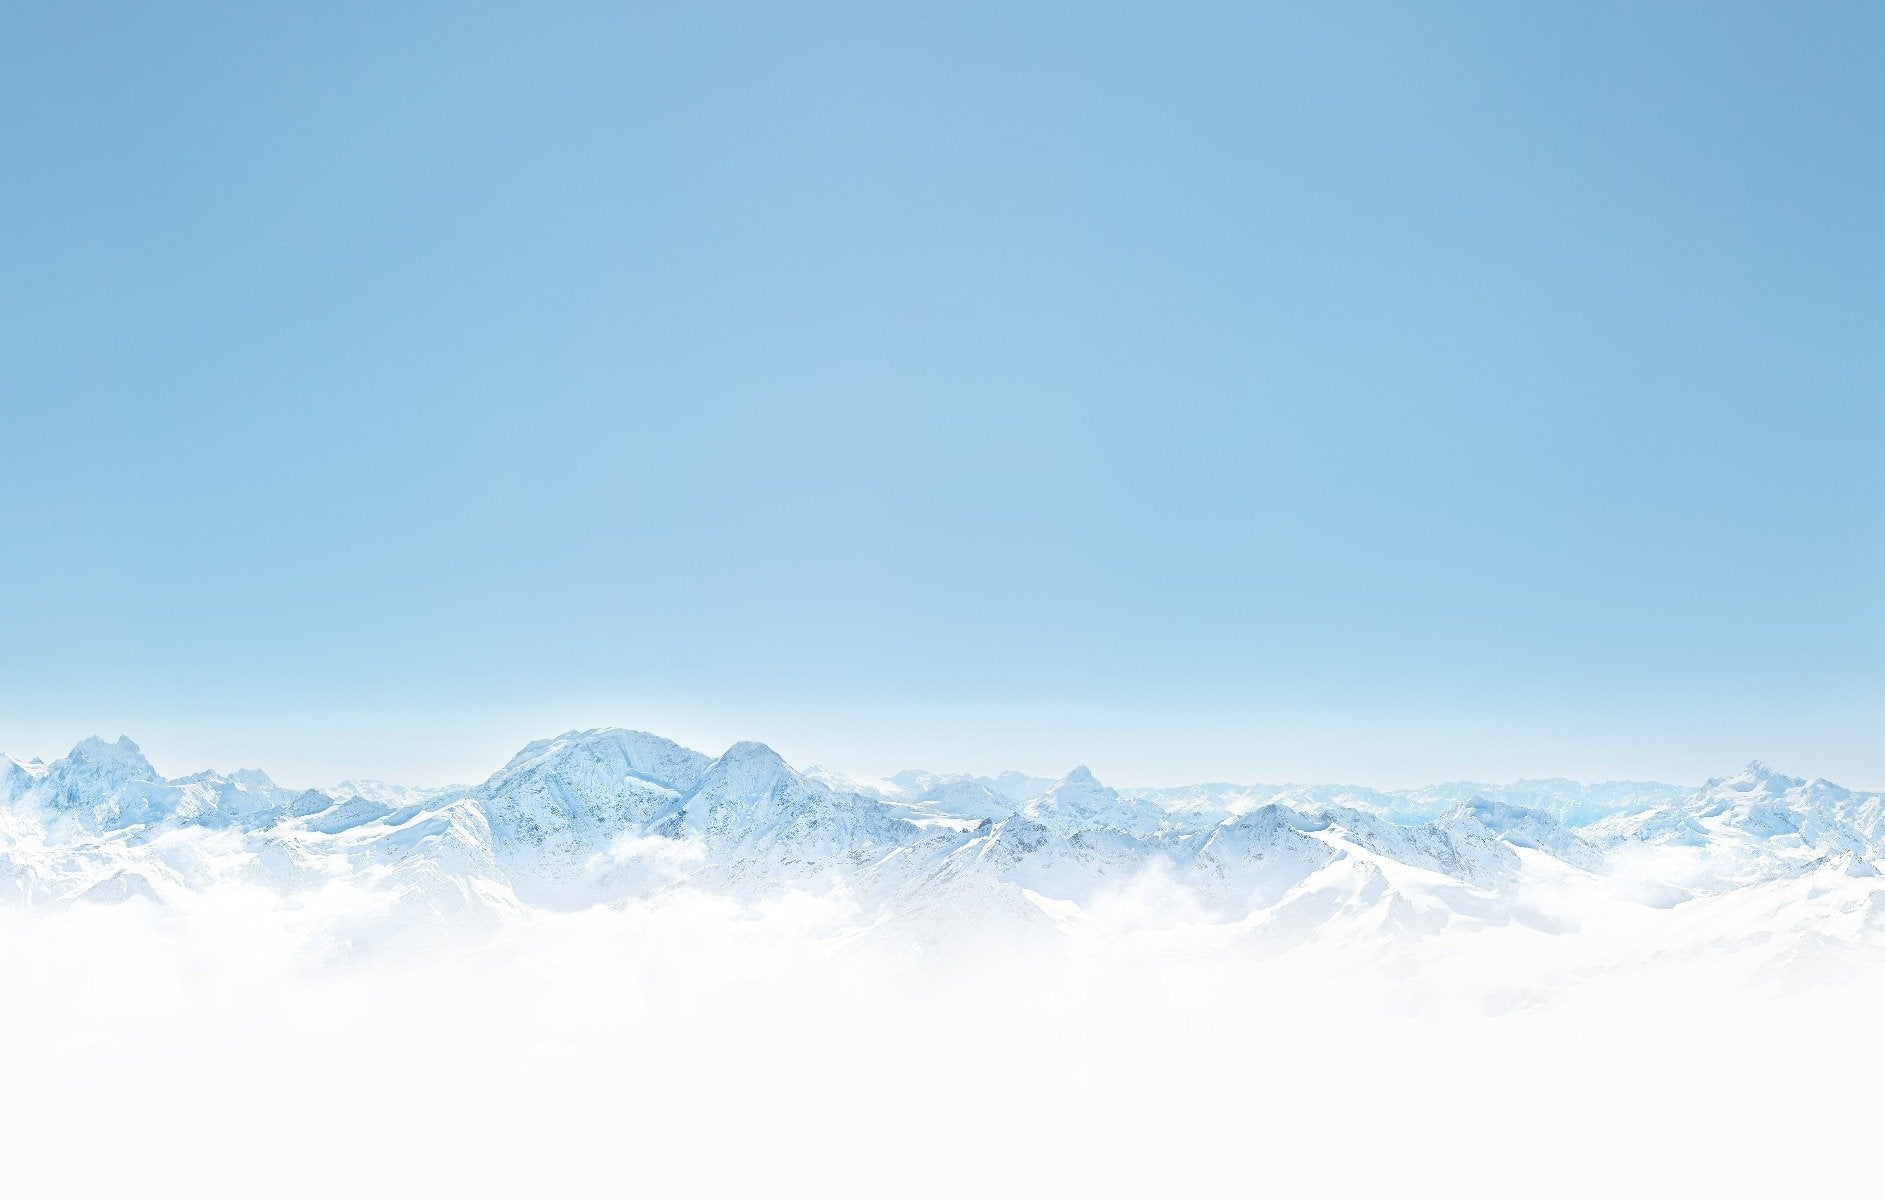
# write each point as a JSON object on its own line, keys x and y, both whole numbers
{"x": 1238, "y": 392}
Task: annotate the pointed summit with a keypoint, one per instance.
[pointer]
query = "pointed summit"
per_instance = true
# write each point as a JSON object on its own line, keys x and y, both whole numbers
{"x": 1758, "y": 776}
{"x": 750, "y": 768}
{"x": 752, "y": 806}
{"x": 752, "y": 752}
{"x": 1081, "y": 783}
{"x": 1078, "y": 801}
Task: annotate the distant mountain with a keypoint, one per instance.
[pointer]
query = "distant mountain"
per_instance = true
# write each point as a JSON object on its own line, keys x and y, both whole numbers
{"x": 932, "y": 862}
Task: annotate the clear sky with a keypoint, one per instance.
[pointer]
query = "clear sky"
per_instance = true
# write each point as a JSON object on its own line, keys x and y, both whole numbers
{"x": 1384, "y": 393}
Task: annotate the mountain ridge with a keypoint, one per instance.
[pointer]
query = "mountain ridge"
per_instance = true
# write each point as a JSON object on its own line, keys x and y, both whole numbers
{"x": 603, "y": 816}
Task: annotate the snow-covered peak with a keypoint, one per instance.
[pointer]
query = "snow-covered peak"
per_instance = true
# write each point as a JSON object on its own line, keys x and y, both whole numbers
{"x": 97, "y": 767}
{"x": 753, "y": 752}
{"x": 561, "y": 803}
{"x": 1252, "y": 859}
{"x": 965, "y": 798}
{"x": 1270, "y": 819}
{"x": 102, "y": 785}
{"x": 1757, "y": 776}
{"x": 95, "y": 758}
{"x": 209, "y": 795}
{"x": 1531, "y": 829}
{"x": 750, "y": 768}
{"x": 1078, "y": 785}
{"x": 1756, "y": 794}
{"x": 1080, "y": 801}
{"x": 629, "y": 751}
{"x": 753, "y": 812}
{"x": 1458, "y": 844}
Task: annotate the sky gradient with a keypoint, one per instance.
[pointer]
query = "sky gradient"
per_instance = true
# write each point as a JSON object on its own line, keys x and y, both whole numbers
{"x": 1246, "y": 393}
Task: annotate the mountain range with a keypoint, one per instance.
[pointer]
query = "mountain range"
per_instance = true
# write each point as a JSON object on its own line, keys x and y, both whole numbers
{"x": 933, "y": 866}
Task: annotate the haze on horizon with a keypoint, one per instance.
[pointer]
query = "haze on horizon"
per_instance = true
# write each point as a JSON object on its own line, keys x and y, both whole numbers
{"x": 1340, "y": 395}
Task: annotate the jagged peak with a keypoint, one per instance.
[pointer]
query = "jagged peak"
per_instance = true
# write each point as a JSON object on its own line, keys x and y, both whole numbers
{"x": 1756, "y": 776}
{"x": 96, "y": 751}
{"x": 98, "y": 745}
{"x": 1078, "y": 790}
{"x": 1758, "y": 770}
{"x": 1077, "y": 782}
